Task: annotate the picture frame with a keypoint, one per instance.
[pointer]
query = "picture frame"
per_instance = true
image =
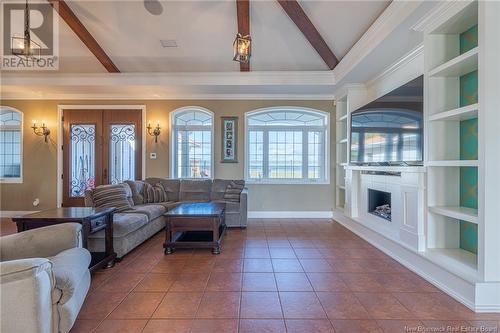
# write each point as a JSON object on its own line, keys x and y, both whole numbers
{"x": 229, "y": 139}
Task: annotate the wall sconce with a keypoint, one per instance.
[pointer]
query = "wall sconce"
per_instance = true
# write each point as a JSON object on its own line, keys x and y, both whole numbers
{"x": 43, "y": 130}
{"x": 154, "y": 131}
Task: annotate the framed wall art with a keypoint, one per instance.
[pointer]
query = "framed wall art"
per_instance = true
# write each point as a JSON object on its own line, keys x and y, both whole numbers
{"x": 229, "y": 139}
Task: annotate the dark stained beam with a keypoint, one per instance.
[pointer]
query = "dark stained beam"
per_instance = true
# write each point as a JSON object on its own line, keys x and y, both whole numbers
{"x": 299, "y": 17}
{"x": 243, "y": 13}
{"x": 76, "y": 25}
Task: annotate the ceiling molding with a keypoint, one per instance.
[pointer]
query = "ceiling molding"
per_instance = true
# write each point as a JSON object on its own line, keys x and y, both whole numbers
{"x": 386, "y": 23}
{"x": 293, "y": 9}
{"x": 243, "y": 14}
{"x": 79, "y": 29}
{"x": 321, "y": 78}
{"x": 61, "y": 97}
{"x": 442, "y": 12}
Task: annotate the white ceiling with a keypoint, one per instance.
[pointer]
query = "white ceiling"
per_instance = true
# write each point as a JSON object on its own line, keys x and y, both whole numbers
{"x": 204, "y": 31}
{"x": 284, "y": 65}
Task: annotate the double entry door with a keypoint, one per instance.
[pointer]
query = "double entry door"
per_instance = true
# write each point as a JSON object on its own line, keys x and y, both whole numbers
{"x": 99, "y": 147}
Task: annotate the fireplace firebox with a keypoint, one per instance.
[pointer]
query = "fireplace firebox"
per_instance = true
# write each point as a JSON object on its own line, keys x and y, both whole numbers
{"x": 379, "y": 204}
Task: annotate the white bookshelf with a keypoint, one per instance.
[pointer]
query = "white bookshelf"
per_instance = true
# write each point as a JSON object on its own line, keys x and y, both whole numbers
{"x": 342, "y": 151}
{"x": 444, "y": 65}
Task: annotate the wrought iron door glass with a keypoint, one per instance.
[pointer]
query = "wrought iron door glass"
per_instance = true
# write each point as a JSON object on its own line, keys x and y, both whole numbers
{"x": 122, "y": 153}
{"x": 82, "y": 159}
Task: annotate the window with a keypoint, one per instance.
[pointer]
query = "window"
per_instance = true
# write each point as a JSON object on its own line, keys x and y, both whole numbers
{"x": 11, "y": 122}
{"x": 287, "y": 145}
{"x": 192, "y": 140}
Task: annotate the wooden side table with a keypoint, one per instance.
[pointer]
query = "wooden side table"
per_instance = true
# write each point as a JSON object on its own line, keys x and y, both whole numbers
{"x": 91, "y": 219}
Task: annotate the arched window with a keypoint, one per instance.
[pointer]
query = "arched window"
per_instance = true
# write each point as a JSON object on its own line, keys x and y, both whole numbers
{"x": 11, "y": 145}
{"x": 287, "y": 145}
{"x": 192, "y": 143}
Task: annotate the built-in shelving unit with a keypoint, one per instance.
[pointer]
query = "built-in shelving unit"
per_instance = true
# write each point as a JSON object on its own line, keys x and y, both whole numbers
{"x": 341, "y": 140}
{"x": 452, "y": 108}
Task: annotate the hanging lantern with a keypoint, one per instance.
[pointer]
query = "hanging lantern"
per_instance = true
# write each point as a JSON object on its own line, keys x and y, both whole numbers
{"x": 242, "y": 48}
{"x": 25, "y": 47}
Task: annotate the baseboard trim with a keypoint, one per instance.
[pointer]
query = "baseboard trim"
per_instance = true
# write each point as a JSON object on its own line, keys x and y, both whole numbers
{"x": 290, "y": 214}
{"x": 463, "y": 291}
{"x": 14, "y": 213}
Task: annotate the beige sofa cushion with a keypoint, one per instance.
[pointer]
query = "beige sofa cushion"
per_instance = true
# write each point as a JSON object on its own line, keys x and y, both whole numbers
{"x": 69, "y": 267}
{"x": 171, "y": 186}
{"x": 113, "y": 196}
{"x": 195, "y": 190}
{"x": 152, "y": 210}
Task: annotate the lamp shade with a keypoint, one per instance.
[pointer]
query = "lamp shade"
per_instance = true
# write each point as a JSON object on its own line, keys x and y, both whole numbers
{"x": 242, "y": 48}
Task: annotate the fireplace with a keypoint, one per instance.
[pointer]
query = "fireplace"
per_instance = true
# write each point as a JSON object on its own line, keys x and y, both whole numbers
{"x": 379, "y": 204}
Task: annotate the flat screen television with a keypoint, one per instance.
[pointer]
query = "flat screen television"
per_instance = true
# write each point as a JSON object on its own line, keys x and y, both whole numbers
{"x": 388, "y": 131}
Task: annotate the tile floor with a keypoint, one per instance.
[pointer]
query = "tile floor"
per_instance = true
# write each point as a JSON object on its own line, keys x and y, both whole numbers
{"x": 294, "y": 275}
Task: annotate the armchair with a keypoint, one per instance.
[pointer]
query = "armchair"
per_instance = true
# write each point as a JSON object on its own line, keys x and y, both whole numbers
{"x": 44, "y": 278}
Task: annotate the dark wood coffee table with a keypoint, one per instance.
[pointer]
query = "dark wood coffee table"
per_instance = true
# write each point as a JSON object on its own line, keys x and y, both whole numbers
{"x": 91, "y": 219}
{"x": 195, "y": 225}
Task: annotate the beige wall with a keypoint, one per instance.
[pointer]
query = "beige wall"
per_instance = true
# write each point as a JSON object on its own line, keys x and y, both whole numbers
{"x": 40, "y": 159}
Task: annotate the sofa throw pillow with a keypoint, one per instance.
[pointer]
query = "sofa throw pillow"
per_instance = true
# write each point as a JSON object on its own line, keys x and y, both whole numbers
{"x": 111, "y": 196}
{"x": 233, "y": 191}
{"x": 154, "y": 193}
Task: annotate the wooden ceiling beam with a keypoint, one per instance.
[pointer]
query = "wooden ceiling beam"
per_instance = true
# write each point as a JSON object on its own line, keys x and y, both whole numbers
{"x": 299, "y": 17}
{"x": 79, "y": 29}
{"x": 243, "y": 13}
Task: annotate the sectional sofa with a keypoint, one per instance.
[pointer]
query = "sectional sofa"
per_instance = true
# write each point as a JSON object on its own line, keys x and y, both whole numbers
{"x": 131, "y": 228}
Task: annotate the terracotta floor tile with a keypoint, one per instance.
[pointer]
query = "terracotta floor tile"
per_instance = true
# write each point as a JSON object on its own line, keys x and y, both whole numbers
{"x": 427, "y": 305}
{"x": 308, "y": 253}
{"x": 98, "y": 305}
{"x": 259, "y": 282}
{"x": 178, "y": 305}
{"x": 190, "y": 282}
{"x": 84, "y": 326}
{"x": 301, "y": 305}
{"x": 316, "y": 265}
{"x": 327, "y": 282}
{"x": 169, "y": 266}
{"x": 121, "y": 326}
{"x": 358, "y": 326}
{"x": 219, "y": 305}
{"x": 278, "y": 243}
{"x": 228, "y": 265}
{"x": 137, "y": 306}
{"x": 262, "y": 326}
{"x": 401, "y": 326}
{"x": 214, "y": 326}
{"x": 256, "y": 252}
{"x": 309, "y": 326}
{"x": 287, "y": 265}
{"x": 224, "y": 282}
{"x": 293, "y": 282}
{"x": 282, "y": 253}
{"x": 383, "y": 306}
{"x": 362, "y": 282}
{"x": 156, "y": 282}
{"x": 260, "y": 305}
{"x": 301, "y": 243}
{"x": 122, "y": 282}
{"x": 257, "y": 265}
{"x": 168, "y": 326}
{"x": 340, "y": 305}
{"x": 256, "y": 243}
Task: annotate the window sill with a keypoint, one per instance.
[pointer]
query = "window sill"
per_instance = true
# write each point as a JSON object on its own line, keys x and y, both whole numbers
{"x": 11, "y": 181}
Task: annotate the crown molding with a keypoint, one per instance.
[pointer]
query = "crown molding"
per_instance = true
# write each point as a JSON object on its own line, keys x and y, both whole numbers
{"x": 439, "y": 15}
{"x": 320, "y": 78}
{"x": 297, "y": 97}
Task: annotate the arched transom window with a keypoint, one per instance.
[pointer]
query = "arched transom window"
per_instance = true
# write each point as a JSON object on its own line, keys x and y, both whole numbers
{"x": 11, "y": 122}
{"x": 192, "y": 143}
{"x": 287, "y": 145}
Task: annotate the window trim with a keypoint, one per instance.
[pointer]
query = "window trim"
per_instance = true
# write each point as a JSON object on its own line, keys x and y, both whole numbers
{"x": 289, "y": 181}
{"x": 17, "y": 180}
{"x": 173, "y": 153}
